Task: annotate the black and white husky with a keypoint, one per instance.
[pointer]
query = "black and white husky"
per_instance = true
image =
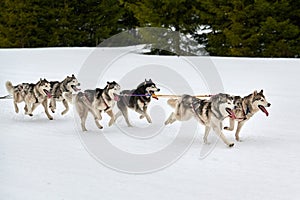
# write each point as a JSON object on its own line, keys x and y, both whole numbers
{"x": 96, "y": 101}
{"x": 210, "y": 113}
{"x": 33, "y": 94}
{"x": 246, "y": 107}
{"x": 61, "y": 89}
{"x": 137, "y": 99}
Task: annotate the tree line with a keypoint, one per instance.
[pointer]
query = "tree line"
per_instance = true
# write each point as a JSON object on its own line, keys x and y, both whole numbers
{"x": 253, "y": 28}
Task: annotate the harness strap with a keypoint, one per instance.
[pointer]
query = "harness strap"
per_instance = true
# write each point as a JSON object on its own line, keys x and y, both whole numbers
{"x": 107, "y": 106}
{"x": 194, "y": 110}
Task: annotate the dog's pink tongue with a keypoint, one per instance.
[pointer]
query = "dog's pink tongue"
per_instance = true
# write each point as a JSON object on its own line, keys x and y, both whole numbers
{"x": 232, "y": 115}
{"x": 76, "y": 89}
{"x": 116, "y": 98}
{"x": 48, "y": 94}
{"x": 262, "y": 108}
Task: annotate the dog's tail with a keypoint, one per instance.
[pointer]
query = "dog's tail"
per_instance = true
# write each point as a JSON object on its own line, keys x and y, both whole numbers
{"x": 172, "y": 102}
{"x": 9, "y": 87}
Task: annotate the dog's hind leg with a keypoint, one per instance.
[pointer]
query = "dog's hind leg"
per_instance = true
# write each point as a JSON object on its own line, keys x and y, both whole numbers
{"x": 66, "y": 107}
{"x": 238, "y": 129}
{"x": 83, "y": 115}
{"x": 171, "y": 119}
{"x": 44, "y": 103}
{"x": 231, "y": 125}
{"x": 207, "y": 130}
{"x": 16, "y": 107}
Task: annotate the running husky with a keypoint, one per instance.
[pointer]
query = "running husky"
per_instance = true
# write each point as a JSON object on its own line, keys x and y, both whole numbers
{"x": 61, "y": 89}
{"x": 137, "y": 99}
{"x": 32, "y": 94}
{"x": 248, "y": 106}
{"x": 96, "y": 101}
{"x": 210, "y": 112}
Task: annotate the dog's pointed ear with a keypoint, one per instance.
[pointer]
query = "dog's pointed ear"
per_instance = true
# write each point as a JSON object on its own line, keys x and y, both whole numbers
{"x": 108, "y": 82}
{"x": 150, "y": 80}
{"x": 145, "y": 82}
{"x": 261, "y": 92}
{"x": 255, "y": 92}
{"x": 73, "y": 76}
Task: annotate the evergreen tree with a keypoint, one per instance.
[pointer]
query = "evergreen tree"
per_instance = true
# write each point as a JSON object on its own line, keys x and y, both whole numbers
{"x": 252, "y": 28}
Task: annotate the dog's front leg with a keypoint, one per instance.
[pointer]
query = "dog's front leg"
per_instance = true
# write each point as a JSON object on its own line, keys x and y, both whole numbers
{"x": 96, "y": 115}
{"x": 64, "y": 101}
{"x": 52, "y": 105}
{"x": 239, "y": 127}
{"x": 112, "y": 117}
{"x": 144, "y": 113}
{"x": 218, "y": 130}
{"x": 231, "y": 125}
{"x": 44, "y": 103}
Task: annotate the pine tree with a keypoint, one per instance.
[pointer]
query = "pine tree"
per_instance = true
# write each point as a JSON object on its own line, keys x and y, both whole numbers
{"x": 252, "y": 28}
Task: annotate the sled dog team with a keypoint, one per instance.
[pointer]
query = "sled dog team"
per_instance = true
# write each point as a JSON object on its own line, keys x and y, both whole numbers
{"x": 209, "y": 112}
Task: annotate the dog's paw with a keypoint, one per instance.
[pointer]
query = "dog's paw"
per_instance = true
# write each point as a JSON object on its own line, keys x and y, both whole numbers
{"x": 50, "y": 118}
{"x": 63, "y": 113}
{"x": 228, "y": 128}
{"x": 231, "y": 145}
{"x": 100, "y": 127}
{"x": 142, "y": 116}
{"x": 30, "y": 115}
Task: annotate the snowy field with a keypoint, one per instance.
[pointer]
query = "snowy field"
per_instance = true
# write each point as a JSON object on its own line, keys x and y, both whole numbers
{"x": 42, "y": 159}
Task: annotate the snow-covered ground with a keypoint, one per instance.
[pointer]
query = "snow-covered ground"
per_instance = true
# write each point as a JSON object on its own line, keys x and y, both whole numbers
{"x": 42, "y": 159}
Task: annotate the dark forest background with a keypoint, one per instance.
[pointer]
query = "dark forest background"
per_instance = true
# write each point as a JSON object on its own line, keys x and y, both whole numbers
{"x": 252, "y": 28}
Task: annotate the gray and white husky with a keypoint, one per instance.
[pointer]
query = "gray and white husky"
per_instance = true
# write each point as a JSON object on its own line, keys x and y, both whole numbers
{"x": 96, "y": 101}
{"x": 33, "y": 94}
{"x": 137, "y": 99}
{"x": 246, "y": 107}
{"x": 61, "y": 89}
{"x": 210, "y": 113}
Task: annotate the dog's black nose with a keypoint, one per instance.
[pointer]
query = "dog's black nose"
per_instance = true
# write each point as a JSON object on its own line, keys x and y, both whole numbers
{"x": 158, "y": 89}
{"x": 269, "y": 104}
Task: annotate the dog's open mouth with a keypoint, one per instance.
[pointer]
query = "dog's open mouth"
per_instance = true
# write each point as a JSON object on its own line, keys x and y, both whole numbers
{"x": 153, "y": 95}
{"x": 47, "y": 93}
{"x": 263, "y": 109}
{"x": 231, "y": 113}
{"x": 75, "y": 88}
{"x": 116, "y": 97}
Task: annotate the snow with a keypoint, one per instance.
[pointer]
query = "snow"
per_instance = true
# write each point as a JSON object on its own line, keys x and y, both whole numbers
{"x": 42, "y": 159}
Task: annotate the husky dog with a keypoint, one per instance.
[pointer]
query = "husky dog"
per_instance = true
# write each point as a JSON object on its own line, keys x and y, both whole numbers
{"x": 61, "y": 89}
{"x": 210, "y": 112}
{"x": 32, "y": 94}
{"x": 137, "y": 99}
{"x": 96, "y": 101}
{"x": 248, "y": 106}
